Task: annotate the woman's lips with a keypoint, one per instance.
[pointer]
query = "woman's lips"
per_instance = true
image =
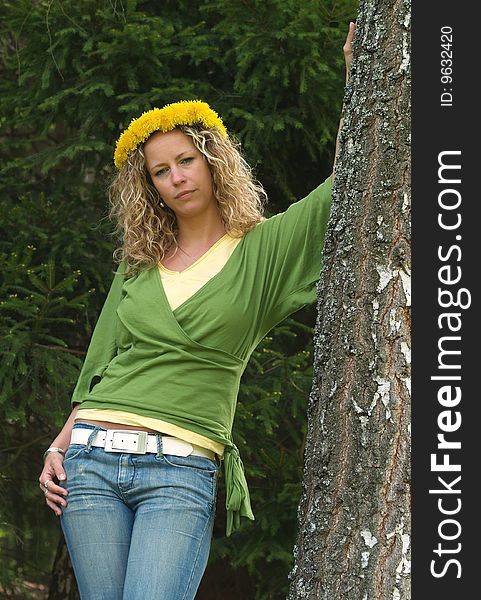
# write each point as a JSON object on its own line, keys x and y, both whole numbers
{"x": 185, "y": 194}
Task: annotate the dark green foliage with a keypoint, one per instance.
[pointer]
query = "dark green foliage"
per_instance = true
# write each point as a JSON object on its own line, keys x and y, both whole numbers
{"x": 72, "y": 75}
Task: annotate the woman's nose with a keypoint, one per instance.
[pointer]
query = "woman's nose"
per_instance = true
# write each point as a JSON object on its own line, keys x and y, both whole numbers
{"x": 177, "y": 176}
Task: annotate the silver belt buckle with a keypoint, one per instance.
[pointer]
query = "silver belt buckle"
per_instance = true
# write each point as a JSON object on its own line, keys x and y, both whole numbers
{"x": 132, "y": 442}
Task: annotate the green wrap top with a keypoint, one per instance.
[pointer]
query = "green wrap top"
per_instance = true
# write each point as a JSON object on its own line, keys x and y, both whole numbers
{"x": 184, "y": 366}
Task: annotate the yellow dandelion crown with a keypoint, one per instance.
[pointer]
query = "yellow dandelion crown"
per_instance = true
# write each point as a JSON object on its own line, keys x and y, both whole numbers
{"x": 185, "y": 112}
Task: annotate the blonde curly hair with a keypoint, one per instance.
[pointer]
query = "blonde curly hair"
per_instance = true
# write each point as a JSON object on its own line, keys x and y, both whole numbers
{"x": 147, "y": 230}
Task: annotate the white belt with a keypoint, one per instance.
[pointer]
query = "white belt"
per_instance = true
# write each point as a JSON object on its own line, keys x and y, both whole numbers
{"x": 138, "y": 442}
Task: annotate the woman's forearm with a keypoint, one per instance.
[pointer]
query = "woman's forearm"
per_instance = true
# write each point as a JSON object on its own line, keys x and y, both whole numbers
{"x": 341, "y": 121}
{"x": 63, "y": 438}
{"x": 347, "y": 49}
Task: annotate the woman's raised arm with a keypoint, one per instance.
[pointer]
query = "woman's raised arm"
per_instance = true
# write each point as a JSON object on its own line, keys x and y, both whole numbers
{"x": 347, "y": 49}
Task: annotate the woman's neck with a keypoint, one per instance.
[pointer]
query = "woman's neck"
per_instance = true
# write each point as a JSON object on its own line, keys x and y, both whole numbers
{"x": 196, "y": 237}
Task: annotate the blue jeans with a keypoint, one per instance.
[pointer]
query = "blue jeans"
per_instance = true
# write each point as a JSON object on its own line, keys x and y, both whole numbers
{"x": 138, "y": 526}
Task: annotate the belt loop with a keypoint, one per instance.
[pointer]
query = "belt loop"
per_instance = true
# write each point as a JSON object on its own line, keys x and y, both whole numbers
{"x": 158, "y": 438}
{"x": 88, "y": 446}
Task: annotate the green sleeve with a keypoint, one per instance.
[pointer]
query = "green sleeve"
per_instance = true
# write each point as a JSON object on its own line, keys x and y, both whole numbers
{"x": 103, "y": 346}
{"x": 292, "y": 245}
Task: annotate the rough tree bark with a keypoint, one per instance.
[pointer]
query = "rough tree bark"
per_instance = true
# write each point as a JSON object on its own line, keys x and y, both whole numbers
{"x": 354, "y": 515}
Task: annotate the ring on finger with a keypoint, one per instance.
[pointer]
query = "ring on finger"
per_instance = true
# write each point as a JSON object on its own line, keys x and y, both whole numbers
{"x": 46, "y": 482}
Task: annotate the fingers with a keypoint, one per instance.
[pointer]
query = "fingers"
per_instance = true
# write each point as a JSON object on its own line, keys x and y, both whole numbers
{"x": 347, "y": 48}
{"x": 54, "y": 495}
{"x": 48, "y": 485}
{"x": 55, "y": 502}
{"x": 54, "y": 466}
{"x": 52, "y": 473}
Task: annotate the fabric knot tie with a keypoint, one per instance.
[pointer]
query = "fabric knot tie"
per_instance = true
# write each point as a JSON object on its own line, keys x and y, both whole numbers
{"x": 237, "y": 492}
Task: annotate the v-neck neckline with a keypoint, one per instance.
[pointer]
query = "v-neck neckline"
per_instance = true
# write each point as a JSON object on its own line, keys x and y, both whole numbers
{"x": 200, "y": 259}
{"x": 207, "y": 284}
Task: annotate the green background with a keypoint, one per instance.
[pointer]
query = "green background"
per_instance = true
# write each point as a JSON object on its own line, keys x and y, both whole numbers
{"x": 73, "y": 75}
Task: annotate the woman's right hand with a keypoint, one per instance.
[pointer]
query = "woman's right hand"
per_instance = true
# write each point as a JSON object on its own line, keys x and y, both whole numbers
{"x": 52, "y": 473}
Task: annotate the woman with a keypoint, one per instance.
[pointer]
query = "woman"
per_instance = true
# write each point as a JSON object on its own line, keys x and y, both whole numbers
{"x": 202, "y": 278}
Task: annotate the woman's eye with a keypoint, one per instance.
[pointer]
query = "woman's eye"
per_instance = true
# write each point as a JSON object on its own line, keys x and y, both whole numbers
{"x": 160, "y": 172}
{"x": 187, "y": 160}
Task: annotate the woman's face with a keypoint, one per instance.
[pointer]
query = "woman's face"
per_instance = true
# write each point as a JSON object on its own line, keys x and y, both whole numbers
{"x": 180, "y": 173}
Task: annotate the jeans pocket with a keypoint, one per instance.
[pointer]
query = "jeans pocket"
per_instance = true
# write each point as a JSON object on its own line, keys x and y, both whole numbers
{"x": 201, "y": 463}
{"x": 73, "y": 451}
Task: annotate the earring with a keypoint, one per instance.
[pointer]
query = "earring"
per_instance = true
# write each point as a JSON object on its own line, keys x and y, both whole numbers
{"x": 162, "y": 204}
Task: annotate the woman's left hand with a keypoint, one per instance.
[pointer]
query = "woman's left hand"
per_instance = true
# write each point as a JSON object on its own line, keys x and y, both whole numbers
{"x": 347, "y": 48}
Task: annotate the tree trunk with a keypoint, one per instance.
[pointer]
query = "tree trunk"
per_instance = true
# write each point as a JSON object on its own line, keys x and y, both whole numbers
{"x": 354, "y": 514}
